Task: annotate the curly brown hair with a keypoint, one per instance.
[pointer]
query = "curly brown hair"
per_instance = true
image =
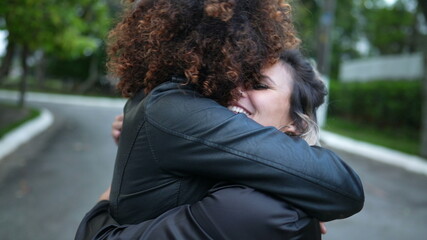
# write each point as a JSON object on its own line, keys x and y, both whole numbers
{"x": 216, "y": 44}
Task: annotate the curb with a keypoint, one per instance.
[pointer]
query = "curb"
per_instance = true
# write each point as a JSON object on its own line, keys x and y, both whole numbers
{"x": 64, "y": 99}
{"x": 11, "y": 141}
{"x": 374, "y": 152}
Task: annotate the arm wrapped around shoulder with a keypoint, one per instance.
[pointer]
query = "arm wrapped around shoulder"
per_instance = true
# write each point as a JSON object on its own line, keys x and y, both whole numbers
{"x": 192, "y": 135}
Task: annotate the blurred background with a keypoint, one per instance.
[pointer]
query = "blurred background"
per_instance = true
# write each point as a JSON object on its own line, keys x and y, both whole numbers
{"x": 372, "y": 53}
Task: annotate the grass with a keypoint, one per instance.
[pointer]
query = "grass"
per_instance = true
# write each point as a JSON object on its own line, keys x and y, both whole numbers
{"x": 401, "y": 139}
{"x": 12, "y": 117}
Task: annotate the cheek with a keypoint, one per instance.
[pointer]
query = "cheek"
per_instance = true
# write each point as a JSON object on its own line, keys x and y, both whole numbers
{"x": 280, "y": 103}
{"x": 281, "y": 110}
{"x": 275, "y": 110}
{"x": 272, "y": 108}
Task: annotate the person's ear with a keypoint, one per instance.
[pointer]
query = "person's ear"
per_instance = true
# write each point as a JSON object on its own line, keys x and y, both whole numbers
{"x": 290, "y": 129}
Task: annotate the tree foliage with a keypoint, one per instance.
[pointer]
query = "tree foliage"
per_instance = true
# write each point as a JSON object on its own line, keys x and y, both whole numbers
{"x": 371, "y": 24}
{"x": 63, "y": 28}
{"x": 345, "y": 33}
{"x": 306, "y": 14}
{"x": 389, "y": 29}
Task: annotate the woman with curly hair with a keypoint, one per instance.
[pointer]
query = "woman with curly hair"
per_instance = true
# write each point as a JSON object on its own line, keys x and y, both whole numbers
{"x": 216, "y": 45}
{"x": 181, "y": 62}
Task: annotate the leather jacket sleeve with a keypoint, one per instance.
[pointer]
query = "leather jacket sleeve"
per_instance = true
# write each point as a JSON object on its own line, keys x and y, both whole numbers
{"x": 192, "y": 135}
{"x": 228, "y": 212}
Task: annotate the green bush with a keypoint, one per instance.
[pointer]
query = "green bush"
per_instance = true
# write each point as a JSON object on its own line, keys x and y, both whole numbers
{"x": 384, "y": 104}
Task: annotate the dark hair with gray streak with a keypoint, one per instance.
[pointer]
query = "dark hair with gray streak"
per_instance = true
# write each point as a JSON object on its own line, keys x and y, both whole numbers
{"x": 308, "y": 94}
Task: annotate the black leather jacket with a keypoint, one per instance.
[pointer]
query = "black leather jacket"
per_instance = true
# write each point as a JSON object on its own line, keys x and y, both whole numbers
{"x": 228, "y": 212}
{"x": 178, "y": 144}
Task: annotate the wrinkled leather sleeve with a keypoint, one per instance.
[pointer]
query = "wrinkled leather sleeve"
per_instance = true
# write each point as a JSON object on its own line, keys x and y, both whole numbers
{"x": 192, "y": 135}
{"x": 229, "y": 212}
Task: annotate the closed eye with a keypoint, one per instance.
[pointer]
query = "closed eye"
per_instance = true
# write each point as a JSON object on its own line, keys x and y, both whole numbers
{"x": 260, "y": 86}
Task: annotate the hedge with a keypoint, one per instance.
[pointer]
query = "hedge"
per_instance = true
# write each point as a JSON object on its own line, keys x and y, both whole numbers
{"x": 377, "y": 103}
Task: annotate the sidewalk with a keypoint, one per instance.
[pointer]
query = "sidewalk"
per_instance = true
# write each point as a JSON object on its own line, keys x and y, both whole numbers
{"x": 11, "y": 141}
{"x": 376, "y": 153}
{"x": 25, "y": 133}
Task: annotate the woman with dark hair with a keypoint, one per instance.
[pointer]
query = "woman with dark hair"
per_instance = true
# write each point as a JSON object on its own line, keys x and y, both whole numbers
{"x": 233, "y": 211}
{"x": 181, "y": 62}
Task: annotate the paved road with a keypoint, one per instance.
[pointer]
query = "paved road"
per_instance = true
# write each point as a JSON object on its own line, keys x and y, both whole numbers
{"x": 395, "y": 207}
{"x": 59, "y": 176}
{"x": 53, "y": 181}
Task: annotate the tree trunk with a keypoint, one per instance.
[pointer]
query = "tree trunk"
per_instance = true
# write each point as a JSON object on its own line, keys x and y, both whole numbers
{"x": 7, "y": 61}
{"x": 423, "y": 150}
{"x": 422, "y": 4}
{"x": 92, "y": 76}
{"x": 324, "y": 45}
{"x": 23, "y": 84}
{"x": 40, "y": 71}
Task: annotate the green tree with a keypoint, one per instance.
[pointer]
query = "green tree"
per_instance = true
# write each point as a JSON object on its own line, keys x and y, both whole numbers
{"x": 389, "y": 29}
{"x": 306, "y": 14}
{"x": 386, "y": 29}
{"x": 345, "y": 35}
{"x": 66, "y": 29}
